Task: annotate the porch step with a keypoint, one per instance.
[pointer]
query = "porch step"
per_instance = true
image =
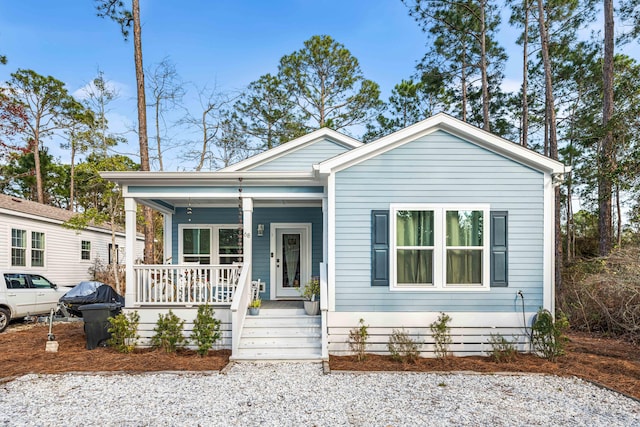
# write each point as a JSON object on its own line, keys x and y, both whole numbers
{"x": 281, "y": 334}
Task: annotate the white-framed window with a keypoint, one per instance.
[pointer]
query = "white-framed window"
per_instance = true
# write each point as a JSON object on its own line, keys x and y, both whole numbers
{"x": 85, "y": 250}
{"x": 37, "y": 249}
{"x": 18, "y": 247}
{"x": 209, "y": 244}
{"x": 115, "y": 252}
{"x": 439, "y": 247}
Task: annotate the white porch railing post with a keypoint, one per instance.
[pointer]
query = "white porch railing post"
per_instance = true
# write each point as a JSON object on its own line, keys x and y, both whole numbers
{"x": 239, "y": 307}
{"x": 324, "y": 309}
{"x": 130, "y": 295}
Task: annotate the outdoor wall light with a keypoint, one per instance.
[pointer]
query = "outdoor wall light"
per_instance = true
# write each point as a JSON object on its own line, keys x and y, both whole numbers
{"x": 260, "y": 230}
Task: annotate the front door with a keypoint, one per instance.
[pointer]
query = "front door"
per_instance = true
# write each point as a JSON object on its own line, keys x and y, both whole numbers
{"x": 292, "y": 259}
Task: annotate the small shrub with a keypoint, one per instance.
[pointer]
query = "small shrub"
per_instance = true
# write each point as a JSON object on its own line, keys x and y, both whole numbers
{"x": 168, "y": 333}
{"x": 358, "y": 337}
{"x": 402, "y": 347}
{"x": 502, "y": 350}
{"x": 548, "y": 336}
{"x": 206, "y": 329}
{"x": 441, "y": 333}
{"x": 124, "y": 331}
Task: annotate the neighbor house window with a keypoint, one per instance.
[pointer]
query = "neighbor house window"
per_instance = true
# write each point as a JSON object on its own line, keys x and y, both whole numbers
{"x": 18, "y": 247}
{"x": 37, "y": 249}
{"x": 210, "y": 244}
{"x": 85, "y": 250}
{"x": 439, "y": 247}
{"x": 111, "y": 254}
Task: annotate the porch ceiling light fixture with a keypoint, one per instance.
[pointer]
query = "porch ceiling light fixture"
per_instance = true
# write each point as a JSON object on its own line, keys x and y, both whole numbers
{"x": 260, "y": 230}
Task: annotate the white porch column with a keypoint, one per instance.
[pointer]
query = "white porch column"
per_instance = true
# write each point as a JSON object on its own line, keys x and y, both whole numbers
{"x": 247, "y": 224}
{"x": 325, "y": 230}
{"x": 167, "y": 237}
{"x": 130, "y": 206}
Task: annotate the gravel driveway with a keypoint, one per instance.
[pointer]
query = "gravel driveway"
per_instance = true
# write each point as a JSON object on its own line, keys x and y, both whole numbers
{"x": 289, "y": 394}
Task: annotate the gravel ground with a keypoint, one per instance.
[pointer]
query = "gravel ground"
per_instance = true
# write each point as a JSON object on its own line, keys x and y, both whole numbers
{"x": 290, "y": 394}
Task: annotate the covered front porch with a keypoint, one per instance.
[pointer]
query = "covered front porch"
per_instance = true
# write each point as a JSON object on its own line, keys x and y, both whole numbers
{"x": 226, "y": 239}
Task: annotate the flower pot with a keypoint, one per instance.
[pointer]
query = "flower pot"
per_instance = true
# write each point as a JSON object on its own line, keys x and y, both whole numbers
{"x": 254, "y": 311}
{"x": 312, "y": 308}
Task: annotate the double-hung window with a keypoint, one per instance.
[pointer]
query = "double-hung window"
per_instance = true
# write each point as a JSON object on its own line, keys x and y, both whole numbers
{"x": 37, "y": 249}
{"x": 85, "y": 250}
{"x": 439, "y": 247}
{"x": 210, "y": 244}
{"x": 18, "y": 247}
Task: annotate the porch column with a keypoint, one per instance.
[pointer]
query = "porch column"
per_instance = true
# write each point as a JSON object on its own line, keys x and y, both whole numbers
{"x": 130, "y": 206}
{"x": 325, "y": 230}
{"x": 168, "y": 240}
{"x": 247, "y": 224}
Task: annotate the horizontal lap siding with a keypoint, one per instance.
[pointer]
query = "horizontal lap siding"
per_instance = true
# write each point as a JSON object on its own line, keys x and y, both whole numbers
{"x": 438, "y": 168}
{"x": 303, "y": 158}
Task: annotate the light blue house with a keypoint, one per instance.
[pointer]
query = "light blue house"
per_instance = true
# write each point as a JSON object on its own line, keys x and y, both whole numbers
{"x": 438, "y": 217}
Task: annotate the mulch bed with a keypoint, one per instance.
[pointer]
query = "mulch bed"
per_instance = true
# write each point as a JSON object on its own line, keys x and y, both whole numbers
{"x": 610, "y": 362}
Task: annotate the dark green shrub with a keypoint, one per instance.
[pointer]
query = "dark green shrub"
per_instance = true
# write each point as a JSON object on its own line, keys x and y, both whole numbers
{"x": 124, "y": 331}
{"x": 548, "y": 336}
{"x": 206, "y": 329}
{"x": 502, "y": 350}
{"x": 168, "y": 333}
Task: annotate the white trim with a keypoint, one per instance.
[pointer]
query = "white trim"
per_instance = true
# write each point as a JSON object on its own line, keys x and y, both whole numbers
{"x": 305, "y": 255}
{"x": 208, "y": 196}
{"x": 449, "y": 124}
{"x": 294, "y": 145}
{"x": 422, "y": 319}
{"x": 440, "y": 247}
{"x": 548, "y": 267}
{"x": 130, "y": 207}
{"x": 167, "y": 237}
{"x": 331, "y": 240}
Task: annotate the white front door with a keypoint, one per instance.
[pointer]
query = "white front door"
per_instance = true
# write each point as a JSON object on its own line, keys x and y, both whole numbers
{"x": 291, "y": 261}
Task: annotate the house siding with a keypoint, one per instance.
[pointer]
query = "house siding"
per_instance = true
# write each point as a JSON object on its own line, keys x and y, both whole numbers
{"x": 261, "y": 244}
{"x": 63, "y": 264}
{"x": 450, "y": 170}
{"x": 303, "y": 158}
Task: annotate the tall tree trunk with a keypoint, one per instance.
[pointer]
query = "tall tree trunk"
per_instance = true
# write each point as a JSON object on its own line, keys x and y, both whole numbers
{"x": 35, "y": 146}
{"x": 483, "y": 67}
{"x": 72, "y": 184}
{"x": 550, "y": 113}
{"x": 525, "y": 77}
{"x": 463, "y": 83}
{"x": 158, "y": 138}
{"x": 607, "y": 157}
{"x": 619, "y": 216}
{"x": 142, "y": 127}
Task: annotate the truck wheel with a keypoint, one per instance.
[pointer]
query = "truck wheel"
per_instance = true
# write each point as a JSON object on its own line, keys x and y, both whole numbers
{"x": 5, "y": 316}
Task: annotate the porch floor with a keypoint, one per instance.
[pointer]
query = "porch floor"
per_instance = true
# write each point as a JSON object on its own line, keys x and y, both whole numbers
{"x": 272, "y": 304}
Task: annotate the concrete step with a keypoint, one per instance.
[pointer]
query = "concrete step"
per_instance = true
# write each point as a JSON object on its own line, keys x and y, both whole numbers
{"x": 292, "y": 332}
{"x": 280, "y": 343}
{"x": 280, "y": 321}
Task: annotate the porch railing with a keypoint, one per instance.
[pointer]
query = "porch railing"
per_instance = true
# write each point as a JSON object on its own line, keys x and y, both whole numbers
{"x": 184, "y": 284}
{"x": 239, "y": 308}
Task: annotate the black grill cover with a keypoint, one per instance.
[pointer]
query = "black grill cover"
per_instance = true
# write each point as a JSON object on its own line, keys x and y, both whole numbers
{"x": 90, "y": 293}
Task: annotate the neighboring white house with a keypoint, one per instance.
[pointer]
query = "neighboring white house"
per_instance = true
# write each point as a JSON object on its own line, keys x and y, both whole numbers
{"x": 33, "y": 239}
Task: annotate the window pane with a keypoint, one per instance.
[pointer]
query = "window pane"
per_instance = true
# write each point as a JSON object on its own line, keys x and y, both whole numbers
{"x": 40, "y": 282}
{"x": 37, "y": 258}
{"x": 464, "y": 228}
{"x": 18, "y": 238}
{"x": 37, "y": 240}
{"x": 86, "y": 250}
{"x": 464, "y": 266}
{"x": 228, "y": 241}
{"x": 415, "y": 266}
{"x": 18, "y": 257}
{"x": 196, "y": 241}
{"x": 414, "y": 228}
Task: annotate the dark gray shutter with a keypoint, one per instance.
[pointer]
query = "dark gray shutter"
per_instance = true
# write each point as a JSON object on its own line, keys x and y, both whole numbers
{"x": 379, "y": 248}
{"x": 499, "y": 249}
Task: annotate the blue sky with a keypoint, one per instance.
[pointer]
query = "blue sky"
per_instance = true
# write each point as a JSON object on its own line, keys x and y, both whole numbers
{"x": 223, "y": 43}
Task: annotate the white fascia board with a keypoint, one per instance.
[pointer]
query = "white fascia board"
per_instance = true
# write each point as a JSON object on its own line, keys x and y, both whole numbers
{"x": 293, "y": 145}
{"x": 451, "y": 125}
{"x": 156, "y": 179}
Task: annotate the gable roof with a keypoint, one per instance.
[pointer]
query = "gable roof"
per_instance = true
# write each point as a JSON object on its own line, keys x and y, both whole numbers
{"x": 442, "y": 121}
{"x": 46, "y": 212}
{"x": 293, "y": 145}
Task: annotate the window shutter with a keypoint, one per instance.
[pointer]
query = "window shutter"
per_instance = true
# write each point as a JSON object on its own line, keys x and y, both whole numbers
{"x": 499, "y": 249}
{"x": 379, "y": 248}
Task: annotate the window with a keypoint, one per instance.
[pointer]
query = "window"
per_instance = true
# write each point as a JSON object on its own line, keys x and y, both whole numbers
{"x": 111, "y": 253}
{"x": 37, "y": 249}
{"x": 439, "y": 247}
{"x": 18, "y": 247}
{"x": 85, "y": 250}
{"x": 40, "y": 282}
{"x": 210, "y": 244}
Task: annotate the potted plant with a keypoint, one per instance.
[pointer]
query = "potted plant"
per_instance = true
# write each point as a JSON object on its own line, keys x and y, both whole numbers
{"x": 254, "y": 306}
{"x": 311, "y": 292}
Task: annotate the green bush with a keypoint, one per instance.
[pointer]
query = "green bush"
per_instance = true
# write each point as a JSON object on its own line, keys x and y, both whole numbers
{"x": 124, "y": 331}
{"x": 168, "y": 333}
{"x": 502, "y": 350}
{"x": 358, "y": 337}
{"x": 548, "y": 336}
{"x": 441, "y": 333}
{"x": 402, "y": 347}
{"x": 206, "y": 329}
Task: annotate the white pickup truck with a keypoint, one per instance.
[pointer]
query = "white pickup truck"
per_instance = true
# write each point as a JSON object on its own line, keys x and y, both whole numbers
{"x": 26, "y": 294}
